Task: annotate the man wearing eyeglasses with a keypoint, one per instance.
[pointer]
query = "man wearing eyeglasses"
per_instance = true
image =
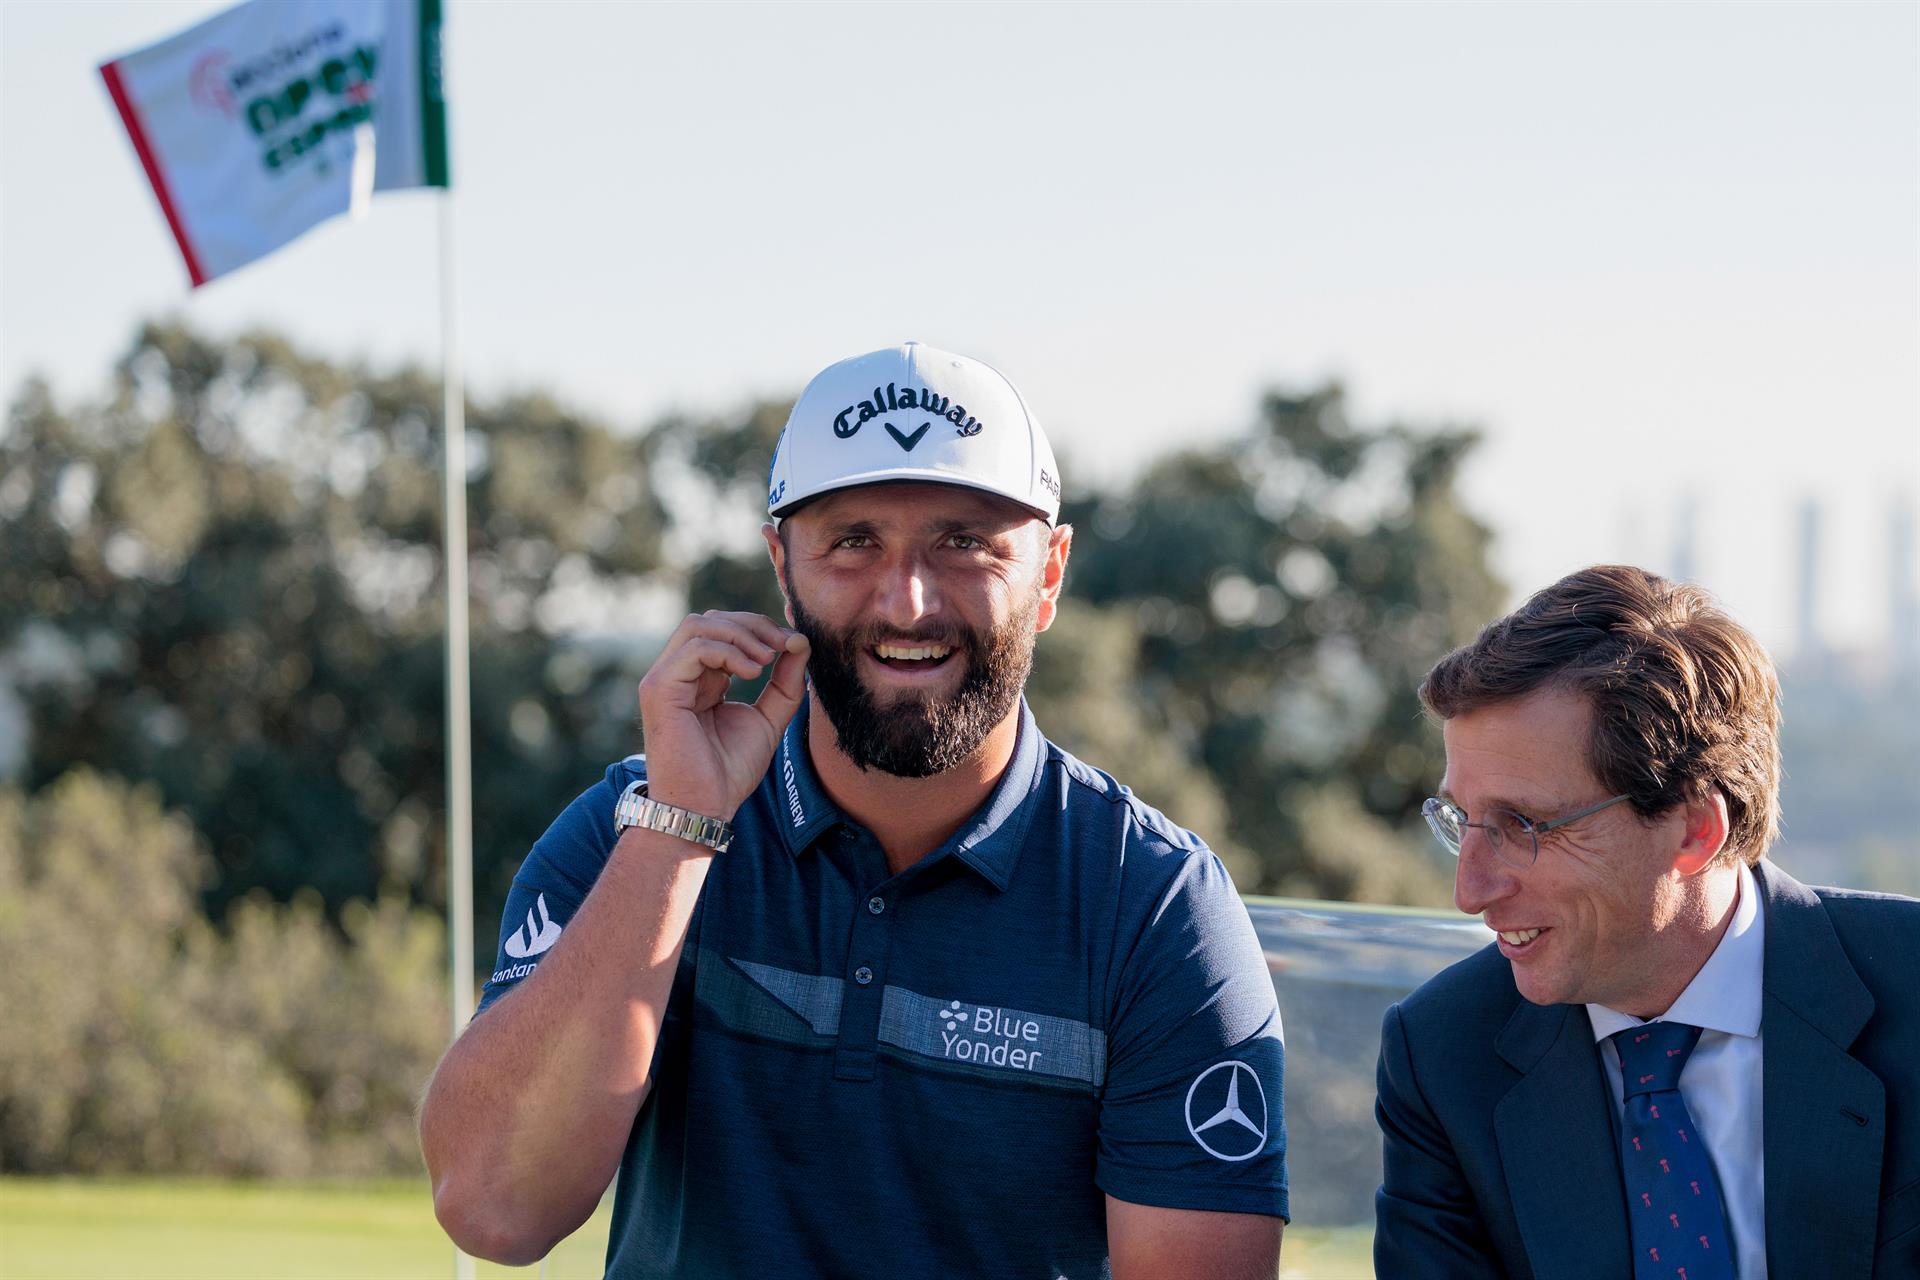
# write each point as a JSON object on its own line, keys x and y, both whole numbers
{"x": 1675, "y": 1060}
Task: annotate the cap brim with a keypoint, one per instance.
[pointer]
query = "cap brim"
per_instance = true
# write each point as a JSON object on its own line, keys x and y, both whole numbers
{"x": 897, "y": 475}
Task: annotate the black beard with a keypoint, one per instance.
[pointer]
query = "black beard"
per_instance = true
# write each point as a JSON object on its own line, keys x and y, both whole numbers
{"x": 917, "y": 737}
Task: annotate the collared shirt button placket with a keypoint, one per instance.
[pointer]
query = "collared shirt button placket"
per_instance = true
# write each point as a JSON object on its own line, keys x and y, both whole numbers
{"x": 870, "y": 945}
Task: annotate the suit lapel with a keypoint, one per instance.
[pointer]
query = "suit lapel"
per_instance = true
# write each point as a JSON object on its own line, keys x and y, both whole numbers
{"x": 1825, "y": 1113}
{"x": 1558, "y": 1148}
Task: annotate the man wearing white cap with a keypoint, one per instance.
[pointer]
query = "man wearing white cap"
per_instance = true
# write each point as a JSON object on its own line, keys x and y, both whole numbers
{"x": 893, "y": 985}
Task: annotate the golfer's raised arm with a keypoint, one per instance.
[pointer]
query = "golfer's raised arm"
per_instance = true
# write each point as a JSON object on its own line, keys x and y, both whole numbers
{"x": 524, "y": 1121}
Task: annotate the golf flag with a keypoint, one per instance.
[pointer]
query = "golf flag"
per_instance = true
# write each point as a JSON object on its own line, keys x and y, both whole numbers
{"x": 275, "y": 115}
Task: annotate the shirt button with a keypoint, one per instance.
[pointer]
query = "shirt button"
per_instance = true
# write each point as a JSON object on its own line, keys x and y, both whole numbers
{"x": 876, "y": 904}
{"x": 863, "y": 975}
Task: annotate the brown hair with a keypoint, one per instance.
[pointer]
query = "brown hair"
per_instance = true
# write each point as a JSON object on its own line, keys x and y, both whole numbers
{"x": 1683, "y": 697}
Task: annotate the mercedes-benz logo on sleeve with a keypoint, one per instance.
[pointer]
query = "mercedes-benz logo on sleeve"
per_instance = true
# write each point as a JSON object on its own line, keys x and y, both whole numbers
{"x": 1227, "y": 1111}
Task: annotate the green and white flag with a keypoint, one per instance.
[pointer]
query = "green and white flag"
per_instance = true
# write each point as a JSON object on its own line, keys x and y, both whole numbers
{"x": 275, "y": 115}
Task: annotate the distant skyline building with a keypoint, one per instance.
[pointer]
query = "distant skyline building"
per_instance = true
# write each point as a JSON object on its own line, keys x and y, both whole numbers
{"x": 1898, "y": 656}
{"x": 1807, "y": 646}
{"x": 1686, "y": 527}
{"x": 1903, "y": 592}
{"x": 1630, "y": 532}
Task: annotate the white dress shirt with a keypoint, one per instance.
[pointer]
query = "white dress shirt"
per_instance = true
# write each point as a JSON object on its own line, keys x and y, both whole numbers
{"x": 1721, "y": 1082}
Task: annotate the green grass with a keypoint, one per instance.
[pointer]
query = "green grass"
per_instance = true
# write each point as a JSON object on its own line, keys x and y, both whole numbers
{"x": 1327, "y": 1253}
{"x": 65, "y": 1229}
{"x": 190, "y": 1230}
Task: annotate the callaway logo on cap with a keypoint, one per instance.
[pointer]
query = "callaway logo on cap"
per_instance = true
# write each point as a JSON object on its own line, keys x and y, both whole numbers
{"x": 913, "y": 412}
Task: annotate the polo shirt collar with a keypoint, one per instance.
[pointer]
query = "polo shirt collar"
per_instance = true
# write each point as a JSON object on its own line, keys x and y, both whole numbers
{"x": 989, "y": 841}
{"x": 800, "y": 803}
{"x": 1726, "y": 994}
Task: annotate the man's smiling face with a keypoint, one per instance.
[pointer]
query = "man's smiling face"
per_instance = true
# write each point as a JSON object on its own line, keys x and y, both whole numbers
{"x": 1603, "y": 888}
{"x": 921, "y": 602}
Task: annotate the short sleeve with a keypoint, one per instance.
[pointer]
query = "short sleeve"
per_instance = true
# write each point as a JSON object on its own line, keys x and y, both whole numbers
{"x": 1191, "y": 1116}
{"x": 554, "y": 880}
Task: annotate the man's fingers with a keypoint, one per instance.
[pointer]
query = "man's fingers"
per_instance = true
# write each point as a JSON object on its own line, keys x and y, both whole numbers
{"x": 758, "y": 623}
{"x": 700, "y": 655}
{"x": 713, "y": 626}
{"x": 788, "y": 684}
{"x": 754, "y": 632}
{"x": 760, "y": 643}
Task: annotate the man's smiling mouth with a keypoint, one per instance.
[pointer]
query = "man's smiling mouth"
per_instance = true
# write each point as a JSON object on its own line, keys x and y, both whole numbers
{"x": 912, "y": 657}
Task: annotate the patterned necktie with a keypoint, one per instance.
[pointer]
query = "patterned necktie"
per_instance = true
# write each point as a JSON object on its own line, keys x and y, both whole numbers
{"x": 1673, "y": 1200}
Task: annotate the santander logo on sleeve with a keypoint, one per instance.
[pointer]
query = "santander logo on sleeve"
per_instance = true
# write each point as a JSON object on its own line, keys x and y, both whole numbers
{"x": 536, "y": 935}
{"x": 533, "y": 938}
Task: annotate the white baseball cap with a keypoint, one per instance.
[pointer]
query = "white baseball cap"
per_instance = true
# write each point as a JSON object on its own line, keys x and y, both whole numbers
{"x": 913, "y": 412}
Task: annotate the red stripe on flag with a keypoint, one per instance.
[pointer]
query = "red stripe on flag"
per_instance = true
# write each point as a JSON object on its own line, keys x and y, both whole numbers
{"x": 110, "y": 72}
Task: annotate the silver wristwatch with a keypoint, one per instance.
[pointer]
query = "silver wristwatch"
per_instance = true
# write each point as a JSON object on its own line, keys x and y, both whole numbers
{"x": 637, "y": 809}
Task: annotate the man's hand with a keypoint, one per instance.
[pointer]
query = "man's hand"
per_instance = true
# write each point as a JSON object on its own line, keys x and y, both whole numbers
{"x": 706, "y": 754}
{"x": 525, "y": 1120}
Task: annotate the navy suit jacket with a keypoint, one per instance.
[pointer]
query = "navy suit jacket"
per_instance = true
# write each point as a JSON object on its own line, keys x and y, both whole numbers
{"x": 1501, "y": 1155}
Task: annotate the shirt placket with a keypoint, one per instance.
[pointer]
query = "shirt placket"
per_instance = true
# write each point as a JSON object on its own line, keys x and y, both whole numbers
{"x": 870, "y": 948}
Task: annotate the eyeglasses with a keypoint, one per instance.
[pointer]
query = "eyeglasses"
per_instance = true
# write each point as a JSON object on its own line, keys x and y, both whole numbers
{"x": 1513, "y": 837}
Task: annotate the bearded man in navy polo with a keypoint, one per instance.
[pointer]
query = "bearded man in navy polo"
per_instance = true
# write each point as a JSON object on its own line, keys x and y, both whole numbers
{"x": 867, "y": 977}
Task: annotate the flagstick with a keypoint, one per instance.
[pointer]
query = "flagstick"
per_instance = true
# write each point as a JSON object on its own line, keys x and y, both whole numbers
{"x": 459, "y": 707}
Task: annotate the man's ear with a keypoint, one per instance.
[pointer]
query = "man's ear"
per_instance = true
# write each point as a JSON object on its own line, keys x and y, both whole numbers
{"x": 1053, "y": 575}
{"x": 1705, "y": 832}
{"x": 777, "y": 552}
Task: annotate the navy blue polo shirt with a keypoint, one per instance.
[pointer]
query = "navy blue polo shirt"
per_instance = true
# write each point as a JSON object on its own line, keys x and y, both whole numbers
{"x": 938, "y": 1072}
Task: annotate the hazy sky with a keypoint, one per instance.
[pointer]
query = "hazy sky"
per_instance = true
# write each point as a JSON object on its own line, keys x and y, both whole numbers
{"x": 1660, "y": 252}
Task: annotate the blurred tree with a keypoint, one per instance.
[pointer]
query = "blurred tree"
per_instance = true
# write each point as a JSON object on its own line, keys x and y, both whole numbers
{"x": 139, "y": 1039}
{"x": 1291, "y": 587}
{"x": 721, "y": 464}
{"x": 230, "y": 573}
{"x": 1084, "y": 670}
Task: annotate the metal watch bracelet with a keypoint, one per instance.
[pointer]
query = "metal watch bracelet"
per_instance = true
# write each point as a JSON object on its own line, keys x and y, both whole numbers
{"x": 637, "y": 809}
